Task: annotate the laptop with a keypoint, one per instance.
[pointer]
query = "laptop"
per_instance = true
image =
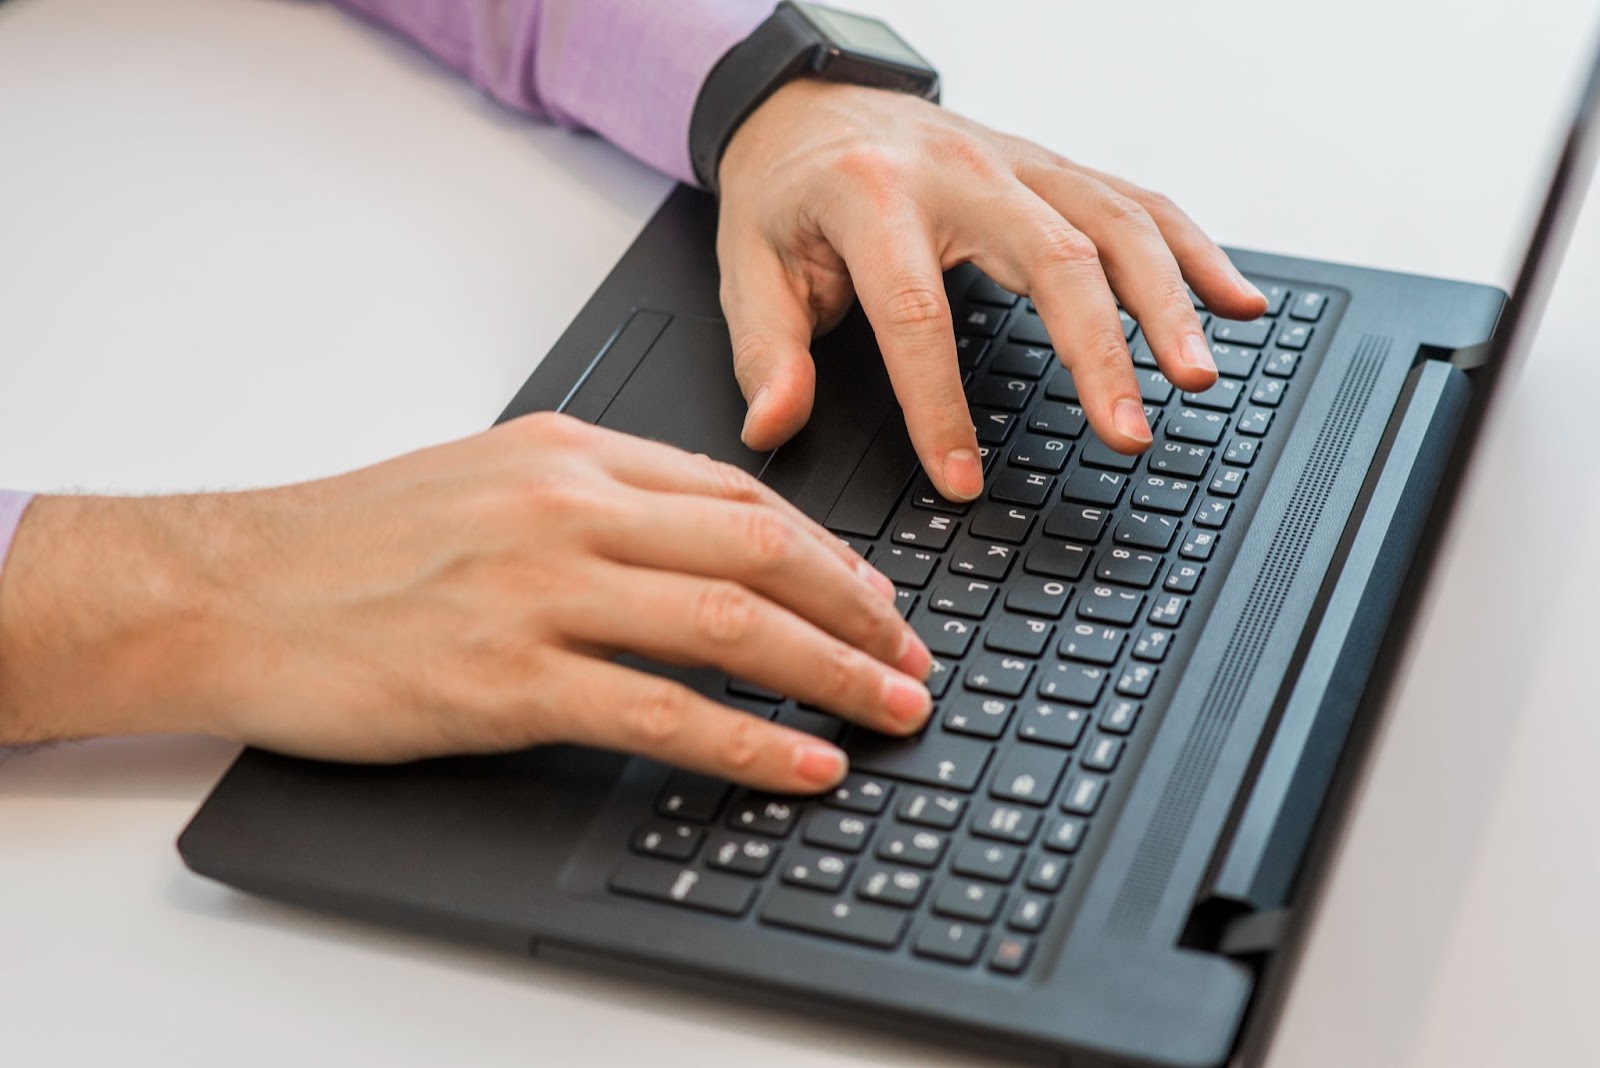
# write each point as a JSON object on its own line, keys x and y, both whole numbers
{"x": 1154, "y": 675}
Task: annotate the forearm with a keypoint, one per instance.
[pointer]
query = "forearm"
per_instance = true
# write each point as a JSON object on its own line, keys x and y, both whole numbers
{"x": 626, "y": 69}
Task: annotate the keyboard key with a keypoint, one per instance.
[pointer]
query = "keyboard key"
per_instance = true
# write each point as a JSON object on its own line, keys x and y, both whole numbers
{"x": 993, "y": 428}
{"x": 1137, "y": 680}
{"x": 1152, "y": 645}
{"x": 970, "y": 351}
{"x": 1162, "y": 494}
{"x": 987, "y": 860}
{"x": 1029, "y": 774}
{"x": 1002, "y": 392}
{"x": 1228, "y": 483}
{"x": 1092, "y": 643}
{"x": 980, "y": 717}
{"x": 815, "y": 871}
{"x": 1097, "y": 454}
{"x": 926, "y": 530}
{"x": 1199, "y": 545}
{"x": 1268, "y": 393}
{"x": 671, "y": 841}
{"x": 985, "y": 290}
{"x": 742, "y": 856}
{"x": 1058, "y": 419}
{"x": 1295, "y": 337}
{"x": 1083, "y": 792}
{"x": 1029, "y": 330}
{"x": 1179, "y": 459}
{"x": 1153, "y": 386}
{"x": 1076, "y": 522}
{"x": 962, "y": 597}
{"x": 1275, "y": 294}
{"x": 1008, "y": 823}
{"x": 839, "y": 831}
{"x": 983, "y": 559}
{"x": 1109, "y": 605}
{"x": 1048, "y": 873}
{"x": 1308, "y": 306}
{"x": 1121, "y": 714}
{"x": 741, "y": 688}
{"x": 923, "y": 849}
{"x": 1196, "y": 425}
{"x": 1145, "y": 530}
{"x": 906, "y": 566}
{"x": 1019, "y": 635}
{"x": 977, "y": 320}
{"x": 860, "y": 793}
{"x": 851, "y": 921}
{"x": 939, "y": 676}
{"x": 687, "y": 796}
{"x": 1253, "y": 334}
{"x": 1010, "y": 956}
{"x": 898, "y": 887}
{"x": 811, "y": 721}
{"x": 931, "y": 809}
{"x": 956, "y": 943}
{"x": 1167, "y": 610}
{"x": 1128, "y": 325}
{"x": 1223, "y": 396}
{"x": 1061, "y": 386}
{"x": 1233, "y": 361}
{"x": 1128, "y": 567}
{"x": 1079, "y": 684}
{"x": 1039, "y": 452}
{"x": 1043, "y": 596}
{"x": 1023, "y": 361}
{"x": 923, "y": 495}
{"x": 1003, "y": 675}
{"x": 1048, "y": 724}
{"x": 1103, "y": 753}
{"x": 1002, "y": 522}
{"x": 969, "y": 900}
{"x": 1018, "y": 486}
{"x": 662, "y": 881}
{"x": 1065, "y": 834}
{"x": 1088, "y": 486}
{"x": 1255, "y": 422}
{"x": 1029, "y": 914}
{"x": 904, "y": 602}
{"x": 932, "y": 760}
{"x": 1212, "y": 513}
{"x": 1241, "y": 452}
{"x": 1282, "y": 364}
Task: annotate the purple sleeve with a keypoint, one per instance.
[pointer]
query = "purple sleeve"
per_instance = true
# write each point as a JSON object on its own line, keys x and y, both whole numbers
{"x": 627, "y": 69}
{"x": 12, "y": 505}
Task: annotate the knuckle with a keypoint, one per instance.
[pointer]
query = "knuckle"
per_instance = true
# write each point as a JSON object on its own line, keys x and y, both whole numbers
{"x": 870, "y": 167}
{"x": 724, "y": 613}
{"x": 1172, "y": 296}
{"x": 555, "y": 429}
{"x": 1063, "y": 247}
{"x": 1107, "y": 350}
{"x": 1114, "y": 208}
{"x": 659, "y": 716}
{"x": 957, "y": 148}
{"x": 742, "y": 743}
{"x": 1159, "y": 203}
{"x": 730, "y": 483}
{"x": 751, "y": 352}
{"x": 840, "y": 671}
{"x": 917, "y": 307}
{"x": 769, "y": 539}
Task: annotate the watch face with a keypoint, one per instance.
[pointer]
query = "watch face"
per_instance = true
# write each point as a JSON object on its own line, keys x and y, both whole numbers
{"x": 867, "y": 36}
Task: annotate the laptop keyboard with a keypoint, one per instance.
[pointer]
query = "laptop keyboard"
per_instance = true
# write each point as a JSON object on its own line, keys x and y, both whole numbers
{"x": 1055, "y": 607}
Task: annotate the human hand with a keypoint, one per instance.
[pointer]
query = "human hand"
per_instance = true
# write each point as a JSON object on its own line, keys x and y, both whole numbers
{"x": 460, "y": 599}
{"x": 831, "y": 192}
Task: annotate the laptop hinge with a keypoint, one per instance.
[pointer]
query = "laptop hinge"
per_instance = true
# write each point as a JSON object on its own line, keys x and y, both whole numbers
{"x": 1255, "y": 934}
{"x": 1473, "y": 356}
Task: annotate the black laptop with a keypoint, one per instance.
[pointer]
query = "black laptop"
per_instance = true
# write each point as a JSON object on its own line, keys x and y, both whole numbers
{"x": 1153, "y": 675}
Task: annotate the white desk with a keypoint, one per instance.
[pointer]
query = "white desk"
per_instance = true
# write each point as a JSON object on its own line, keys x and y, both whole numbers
{"x": 250, "y": 241}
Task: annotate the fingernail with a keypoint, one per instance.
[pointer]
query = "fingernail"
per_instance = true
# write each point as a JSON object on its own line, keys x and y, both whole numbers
{"x": 876, "y": 579}
{"x": 756, "y": 404}
{"x": 1128, "y": 416}
{"x": 907, "y": 701}
{"x": 821, "y": 764}
{"x": 1197, "y": 354}
{"x": 914, "y": 658}
{"x": 963, "y": 474}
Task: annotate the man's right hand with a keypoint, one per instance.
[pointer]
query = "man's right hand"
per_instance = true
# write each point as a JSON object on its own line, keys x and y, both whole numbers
{"x": 462, "y": 599}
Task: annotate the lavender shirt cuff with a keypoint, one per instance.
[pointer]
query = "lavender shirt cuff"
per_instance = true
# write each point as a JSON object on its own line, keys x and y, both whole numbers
{"x": 12, "y": 505}
{"x": 630, "y": 70}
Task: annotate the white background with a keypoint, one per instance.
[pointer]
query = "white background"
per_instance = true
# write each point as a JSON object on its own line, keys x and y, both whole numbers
{"x": 246, "y": 241}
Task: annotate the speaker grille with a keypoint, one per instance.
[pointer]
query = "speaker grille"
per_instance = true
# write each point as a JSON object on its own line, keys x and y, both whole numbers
{"x": 1147, "y": 878}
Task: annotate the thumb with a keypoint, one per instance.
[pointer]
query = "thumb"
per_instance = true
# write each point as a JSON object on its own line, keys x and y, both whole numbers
{"x": 770, "y": 326}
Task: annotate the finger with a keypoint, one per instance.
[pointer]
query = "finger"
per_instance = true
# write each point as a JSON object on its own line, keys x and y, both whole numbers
{"x": 897, "y": 276}
{"x": 1139, "y": 266}
{"x": 652, "y": 465}
{"x": 1216, "y": 281}
{"x": 594, "y": 702}
{"x": 1024, "y": 244}
{"x": 765, "y": 551}
{"x": 770, "y": 326}
{"x": 681, "y": 619}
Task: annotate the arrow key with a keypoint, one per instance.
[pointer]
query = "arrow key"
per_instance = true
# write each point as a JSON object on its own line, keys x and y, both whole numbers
{"x": 935, "y": 759}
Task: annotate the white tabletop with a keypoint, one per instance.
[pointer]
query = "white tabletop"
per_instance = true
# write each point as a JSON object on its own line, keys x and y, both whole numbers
{"x": 251, "y": 241}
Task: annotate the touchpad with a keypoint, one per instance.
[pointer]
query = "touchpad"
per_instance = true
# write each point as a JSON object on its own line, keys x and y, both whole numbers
{"x": 685, "y": 393}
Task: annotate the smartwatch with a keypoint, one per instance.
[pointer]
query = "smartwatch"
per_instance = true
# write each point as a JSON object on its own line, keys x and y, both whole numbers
{"x": 798, "y": 40}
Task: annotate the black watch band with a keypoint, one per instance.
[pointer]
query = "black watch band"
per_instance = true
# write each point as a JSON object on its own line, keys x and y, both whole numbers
{"x": 796, "y": 40}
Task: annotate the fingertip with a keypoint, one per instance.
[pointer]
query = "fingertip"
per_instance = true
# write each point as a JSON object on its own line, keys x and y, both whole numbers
{"x": 775, "y": 415}
{"x": 819, "y": 765}
{"x": 962, "y": 474}
{"x": 1127, "y": 416}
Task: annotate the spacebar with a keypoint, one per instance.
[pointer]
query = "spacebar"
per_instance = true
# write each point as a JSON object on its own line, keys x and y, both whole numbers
{"x": 879, "y": 479}
{"x": 853, "y": 921}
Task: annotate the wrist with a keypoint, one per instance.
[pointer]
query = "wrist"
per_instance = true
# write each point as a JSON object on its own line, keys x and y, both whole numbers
{"x": 110, "y": 614}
